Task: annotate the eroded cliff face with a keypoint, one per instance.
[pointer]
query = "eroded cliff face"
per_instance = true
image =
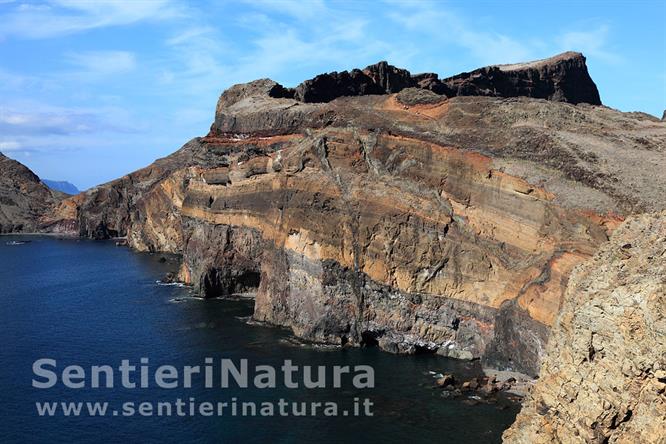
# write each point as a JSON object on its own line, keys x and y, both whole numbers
{"x": 364, "y": 237}
{"x": 407, "y": 220}
{"x": 604, "y": 377}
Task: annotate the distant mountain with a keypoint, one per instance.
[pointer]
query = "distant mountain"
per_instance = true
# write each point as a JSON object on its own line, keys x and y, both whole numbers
{"x": 62, "y": 185}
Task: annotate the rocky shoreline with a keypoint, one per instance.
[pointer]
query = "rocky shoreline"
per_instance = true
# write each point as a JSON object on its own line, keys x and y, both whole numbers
{"x": 486, "y": 387}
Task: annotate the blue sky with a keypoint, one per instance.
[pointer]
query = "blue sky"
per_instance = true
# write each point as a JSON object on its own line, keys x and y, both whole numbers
{"x": 91, "y": 90}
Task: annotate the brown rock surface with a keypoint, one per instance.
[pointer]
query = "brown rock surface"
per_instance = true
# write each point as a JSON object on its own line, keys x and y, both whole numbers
{"x": 604, "y": 375}
{"x": 24, "y": 199}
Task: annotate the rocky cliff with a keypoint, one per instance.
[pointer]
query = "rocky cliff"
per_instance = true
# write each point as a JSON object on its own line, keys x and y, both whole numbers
{"x": 604, "y": 377}
{"x": 366, "y": 210}
{"x": 24, "y": 199}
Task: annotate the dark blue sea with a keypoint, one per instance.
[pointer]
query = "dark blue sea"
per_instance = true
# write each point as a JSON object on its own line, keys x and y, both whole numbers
{"x": 91, "y": 303}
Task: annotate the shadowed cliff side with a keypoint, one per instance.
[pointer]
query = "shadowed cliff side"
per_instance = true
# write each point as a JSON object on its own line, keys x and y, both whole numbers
{"x": 24, "y": 199}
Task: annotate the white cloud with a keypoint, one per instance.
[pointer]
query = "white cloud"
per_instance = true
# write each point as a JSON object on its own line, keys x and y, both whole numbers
{"x": 9, "y": 145}
{"x": 30, "y": 118}
{"x": 332, "y": 38}
{"x": 446, "y": 27}
{"x": 592, "y": 43}
{"x": 102, "y": 63}
{"x": 11, "y": 81}
{"x": 193, "y": 60}
{"x": 449, "y": 28}
{"x": 62, "y": 17}
{"x": 297, "y": 9}
{"x": 190, "y": 34}
{"x": 13, "y": 119}
{"x": 30, "y": 7}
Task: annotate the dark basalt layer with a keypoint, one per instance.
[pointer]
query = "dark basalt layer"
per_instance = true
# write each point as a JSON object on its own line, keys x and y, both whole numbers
{"x": 380, "y": 78}
{"x": 563, "y": 78}
{"x": 388, "y": 77}
{"x": 326, "y": 87}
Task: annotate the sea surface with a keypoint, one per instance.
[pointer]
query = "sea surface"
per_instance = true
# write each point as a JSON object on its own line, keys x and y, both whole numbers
{"x": 88, "y": 303}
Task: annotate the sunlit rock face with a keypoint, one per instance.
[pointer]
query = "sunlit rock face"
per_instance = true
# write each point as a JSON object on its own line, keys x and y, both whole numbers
{"x": 396, "y": 217}
{"x": 604, "y": 377}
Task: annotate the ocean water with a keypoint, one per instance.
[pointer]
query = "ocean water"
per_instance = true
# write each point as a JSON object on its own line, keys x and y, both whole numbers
{"x": 91, "y": 303}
